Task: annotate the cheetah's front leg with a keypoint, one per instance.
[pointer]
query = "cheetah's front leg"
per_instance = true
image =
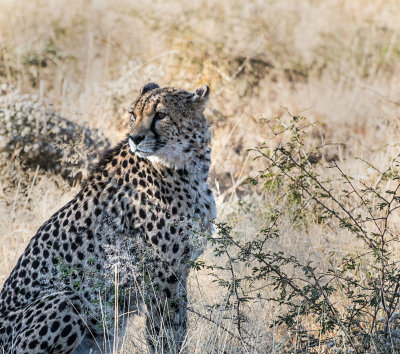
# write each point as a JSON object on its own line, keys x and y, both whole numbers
{"x": 166, "y": 320}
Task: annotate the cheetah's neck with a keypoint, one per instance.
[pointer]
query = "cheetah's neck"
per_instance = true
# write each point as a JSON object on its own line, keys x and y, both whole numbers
{"x": 196, "y": 165}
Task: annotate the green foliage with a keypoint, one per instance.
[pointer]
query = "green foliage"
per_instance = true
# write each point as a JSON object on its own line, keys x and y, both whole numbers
{"x": 354, "y": 302}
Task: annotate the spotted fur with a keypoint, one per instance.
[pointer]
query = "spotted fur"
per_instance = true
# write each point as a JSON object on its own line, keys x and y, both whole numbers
{"x": 127, "y": 238}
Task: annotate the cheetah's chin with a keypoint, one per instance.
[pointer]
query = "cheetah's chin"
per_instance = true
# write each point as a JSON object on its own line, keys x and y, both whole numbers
{"x": 143, "y": 153}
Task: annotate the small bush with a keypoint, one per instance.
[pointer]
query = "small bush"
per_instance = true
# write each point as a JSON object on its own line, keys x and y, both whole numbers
{"x": 40, "y": 138}
{"x": 353, "y": 303}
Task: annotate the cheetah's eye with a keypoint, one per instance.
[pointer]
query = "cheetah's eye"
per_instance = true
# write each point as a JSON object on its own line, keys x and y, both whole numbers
{"x": 133, "y": 117}
{"x": 160, "y": 115}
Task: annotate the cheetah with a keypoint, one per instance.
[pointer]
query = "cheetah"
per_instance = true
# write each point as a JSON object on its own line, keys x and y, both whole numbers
{"x": 124, "y": 243}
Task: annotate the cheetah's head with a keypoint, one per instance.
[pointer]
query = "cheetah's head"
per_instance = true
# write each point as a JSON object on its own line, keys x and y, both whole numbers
{"x": 168, "y": 125}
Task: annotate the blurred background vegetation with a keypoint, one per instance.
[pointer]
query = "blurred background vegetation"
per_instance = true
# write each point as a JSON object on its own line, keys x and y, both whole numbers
{"x": 82, "y": 63}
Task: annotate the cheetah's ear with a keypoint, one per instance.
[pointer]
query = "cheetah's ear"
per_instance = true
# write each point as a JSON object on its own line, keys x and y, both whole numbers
{"x": 148, "y": 87}
{"x": 201, "y": 96}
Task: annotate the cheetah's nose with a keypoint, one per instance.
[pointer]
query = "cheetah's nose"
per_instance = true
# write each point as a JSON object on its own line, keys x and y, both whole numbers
{"x": 137, "y": 138}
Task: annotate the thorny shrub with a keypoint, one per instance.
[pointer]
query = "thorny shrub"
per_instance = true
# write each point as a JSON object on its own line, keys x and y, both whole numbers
{"x": 353, "y": 302}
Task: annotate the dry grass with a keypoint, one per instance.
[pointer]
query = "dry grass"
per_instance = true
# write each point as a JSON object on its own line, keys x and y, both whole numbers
{"x": 336, "y": 61}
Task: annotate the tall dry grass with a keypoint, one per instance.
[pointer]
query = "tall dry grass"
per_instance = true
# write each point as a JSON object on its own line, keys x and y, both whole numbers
{"x": 335, "y": 61}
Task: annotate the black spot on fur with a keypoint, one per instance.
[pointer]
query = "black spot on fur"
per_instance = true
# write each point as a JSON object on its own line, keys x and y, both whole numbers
{"x": 154, "y": 239}
{"x": 71, "y": 339}
{"x": 167, "y": 293}
{"x": 172, "y": 279}
{"x": 33, "y": 344}
{"x": 55, "y": 325}
{"x": 66, "y": 331}
{"x": 43, "y": 330}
